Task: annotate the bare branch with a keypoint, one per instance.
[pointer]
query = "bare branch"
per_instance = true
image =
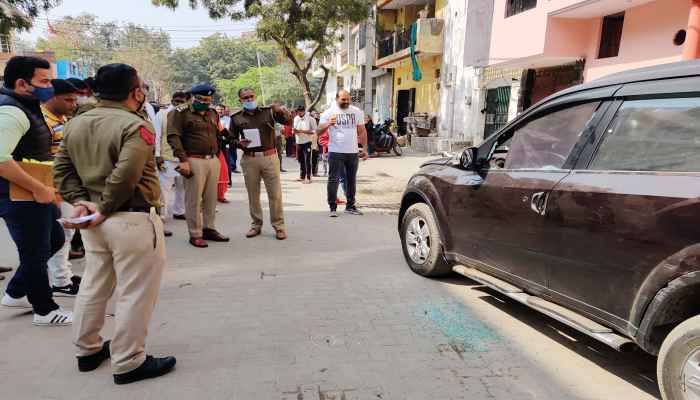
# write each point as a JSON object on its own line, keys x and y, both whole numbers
{"x": 310, "y": 60}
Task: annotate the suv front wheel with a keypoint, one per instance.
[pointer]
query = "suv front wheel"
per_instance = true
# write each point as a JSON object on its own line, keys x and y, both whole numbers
{"x": 678, "y": 366}
{"x": 421, "y": 242}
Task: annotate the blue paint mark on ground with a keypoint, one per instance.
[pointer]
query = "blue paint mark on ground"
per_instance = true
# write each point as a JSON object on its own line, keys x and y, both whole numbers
{"x": 462, "y": 328}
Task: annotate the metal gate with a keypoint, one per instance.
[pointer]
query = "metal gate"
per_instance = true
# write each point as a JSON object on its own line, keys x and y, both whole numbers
{"x": 497, "y": 101}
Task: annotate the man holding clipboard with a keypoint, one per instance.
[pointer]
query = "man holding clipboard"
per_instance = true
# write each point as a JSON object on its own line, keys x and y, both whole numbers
{"x": 253, "y": 129}
{"x": 30, "y": 219}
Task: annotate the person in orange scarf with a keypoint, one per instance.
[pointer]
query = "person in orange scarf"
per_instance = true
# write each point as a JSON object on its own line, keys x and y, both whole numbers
{"x": 223, "y": 171}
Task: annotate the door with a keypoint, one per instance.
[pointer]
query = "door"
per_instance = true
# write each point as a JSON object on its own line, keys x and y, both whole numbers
{"x": 497, "y": 102}
{"x": 623, "y": 215}
{"x": 502, "y": 214}
{"x": 405, "y": 100}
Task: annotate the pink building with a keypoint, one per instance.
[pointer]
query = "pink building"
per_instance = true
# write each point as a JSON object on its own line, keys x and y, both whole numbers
{"x": 554, "y": 44}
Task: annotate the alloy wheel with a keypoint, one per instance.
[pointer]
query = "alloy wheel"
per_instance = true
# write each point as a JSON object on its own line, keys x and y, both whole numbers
{"x": 418, "y": 241}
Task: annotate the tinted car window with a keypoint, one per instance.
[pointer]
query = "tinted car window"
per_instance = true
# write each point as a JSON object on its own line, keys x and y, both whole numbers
{"x": 546, "y": 142}
{"x": 653, "y": 135}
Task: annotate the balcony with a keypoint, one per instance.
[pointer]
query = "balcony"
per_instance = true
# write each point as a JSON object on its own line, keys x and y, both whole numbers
{"x": 393, "y": 47}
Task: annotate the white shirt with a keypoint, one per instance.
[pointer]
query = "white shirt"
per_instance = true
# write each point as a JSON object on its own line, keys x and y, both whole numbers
{"x": 342, "y": 137}
{"x": 225, "y": 121}
{"x": 305, "y": 123}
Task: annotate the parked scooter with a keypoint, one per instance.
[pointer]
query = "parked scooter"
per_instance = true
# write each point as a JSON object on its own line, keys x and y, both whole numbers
{"x": 385, "y": 139}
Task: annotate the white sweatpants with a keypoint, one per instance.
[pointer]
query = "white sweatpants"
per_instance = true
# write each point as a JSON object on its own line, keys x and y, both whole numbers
{"x": 178, "y": 206}
{"x": 60, "y": 272}
{"x": 168, "y": 189}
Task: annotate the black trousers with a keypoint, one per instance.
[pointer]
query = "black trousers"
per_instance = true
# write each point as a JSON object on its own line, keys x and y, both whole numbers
{"x": 345, "y": 165}
{"x": 38, "y": 236}
{"x": 304, "y": 157}
{"x": 314, "y": 161}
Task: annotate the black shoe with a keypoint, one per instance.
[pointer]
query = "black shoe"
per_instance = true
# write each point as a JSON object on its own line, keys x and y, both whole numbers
{"x": 151, "y": 368}
{"x": 213, "y": 236}
{"x": 5, "y": 269}
{"x": 167, "y": 233}
{"x": 76, "y": 279}
{"x": 181, "y": 217}
{"x": 283, "y": 170}
{"x": 92, "y": 362}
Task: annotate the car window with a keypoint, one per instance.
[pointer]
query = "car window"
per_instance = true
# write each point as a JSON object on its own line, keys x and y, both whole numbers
{"x": 546, "y": 142}
{"x": 652, "y": 135}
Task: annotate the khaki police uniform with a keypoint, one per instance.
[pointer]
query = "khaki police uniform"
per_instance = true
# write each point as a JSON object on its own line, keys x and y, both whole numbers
{"x": 193, "y": 138}
{"x": 261, "y": 163}
{"x": 107, "y": 157}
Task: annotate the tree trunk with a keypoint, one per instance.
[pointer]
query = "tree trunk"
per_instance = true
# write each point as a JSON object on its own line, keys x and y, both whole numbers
{"x": 301, "y": 73}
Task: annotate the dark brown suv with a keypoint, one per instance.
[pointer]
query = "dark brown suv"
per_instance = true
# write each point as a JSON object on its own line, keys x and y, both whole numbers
{"x": 587, "y": 208}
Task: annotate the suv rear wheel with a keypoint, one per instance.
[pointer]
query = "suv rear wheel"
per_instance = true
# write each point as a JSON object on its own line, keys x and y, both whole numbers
{"x": 421, "y": 242}
{"x": 678, "y": 366}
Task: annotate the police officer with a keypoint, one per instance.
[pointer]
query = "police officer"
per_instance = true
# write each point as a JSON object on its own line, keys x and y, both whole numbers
{"x": 193, "y": 132}
{"x": 106, "y": 168}
{"x": 261, "y": 161}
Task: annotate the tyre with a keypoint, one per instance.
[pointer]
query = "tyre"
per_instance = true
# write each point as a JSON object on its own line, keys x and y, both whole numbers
{"x": 421, "y": 242}
{"x": 678, "y": 366}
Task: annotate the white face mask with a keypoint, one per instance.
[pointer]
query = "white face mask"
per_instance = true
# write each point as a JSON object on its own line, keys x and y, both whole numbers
{"x": 82, "y": 100}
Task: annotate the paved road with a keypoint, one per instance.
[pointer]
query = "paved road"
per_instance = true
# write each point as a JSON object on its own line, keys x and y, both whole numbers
{"x": 331, "y": 313}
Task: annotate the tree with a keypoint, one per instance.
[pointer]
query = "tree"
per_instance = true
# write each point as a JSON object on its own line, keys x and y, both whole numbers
{"x": 84, "y": 38}
{"x": 294, "y": 25}
{"x": 20, "y": 14}
{"x": 218, "y": 57}
{"x": 270, "y": 82}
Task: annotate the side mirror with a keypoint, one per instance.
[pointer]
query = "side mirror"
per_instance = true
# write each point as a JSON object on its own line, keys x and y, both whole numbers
{"x": 468, "y": 158}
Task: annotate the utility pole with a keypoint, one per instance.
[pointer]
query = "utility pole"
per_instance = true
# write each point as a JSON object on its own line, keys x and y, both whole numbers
{"x": 260, "y": 77}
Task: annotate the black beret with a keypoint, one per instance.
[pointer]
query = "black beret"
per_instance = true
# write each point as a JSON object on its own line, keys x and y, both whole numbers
{"x": 78, "y": 83}
{"x": 203, "y": 90}
{"x": 115, "y": 79}
{"x": 62, "y": 86}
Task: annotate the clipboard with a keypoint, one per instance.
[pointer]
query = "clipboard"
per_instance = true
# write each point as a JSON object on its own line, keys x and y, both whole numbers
{"x": 39, "y": 171}
{"x": 254, "y": 136}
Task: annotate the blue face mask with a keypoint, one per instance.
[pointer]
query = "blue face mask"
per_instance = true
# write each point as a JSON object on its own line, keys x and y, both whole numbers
{"x": 43, "y": 94}
{"x": 250, "y": 105}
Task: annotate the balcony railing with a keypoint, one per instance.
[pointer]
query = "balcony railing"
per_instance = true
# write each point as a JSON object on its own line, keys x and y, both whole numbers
{"x": 429, "y": 39}
{"x": 393, "y": 42}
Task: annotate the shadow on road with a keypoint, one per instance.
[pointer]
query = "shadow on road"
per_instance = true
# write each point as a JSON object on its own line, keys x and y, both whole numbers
{"x": 636, "y": 367}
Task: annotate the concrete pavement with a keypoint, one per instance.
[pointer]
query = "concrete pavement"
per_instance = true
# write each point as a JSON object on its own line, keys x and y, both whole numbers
{"x": 331, "y": 313}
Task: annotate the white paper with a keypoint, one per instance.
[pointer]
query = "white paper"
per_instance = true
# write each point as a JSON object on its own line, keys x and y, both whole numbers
{"x": 80, "y": 220}
{"x": 254, "y": 136}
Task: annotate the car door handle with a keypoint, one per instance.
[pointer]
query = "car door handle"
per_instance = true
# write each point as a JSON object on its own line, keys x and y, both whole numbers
{"x": 538, "y": 203}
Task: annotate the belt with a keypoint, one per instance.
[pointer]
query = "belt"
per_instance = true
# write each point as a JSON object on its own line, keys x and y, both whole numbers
{"x": 206, "y": 157}
{"x": 146, "y": 210}
{"x": 266, "y": 153}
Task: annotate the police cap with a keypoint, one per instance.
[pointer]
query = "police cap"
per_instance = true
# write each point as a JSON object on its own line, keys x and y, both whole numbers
{"x": 115, "y": 81}
{"x": 203, "y": 90}
{"x": 62, "y": 86}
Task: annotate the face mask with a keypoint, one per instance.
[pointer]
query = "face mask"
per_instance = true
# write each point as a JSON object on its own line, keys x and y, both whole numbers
{"x": 43, "y": 94}
{"x": 250, "y": 105}
{"x": 199, "y": 106}
{"x": 82, "y": 100}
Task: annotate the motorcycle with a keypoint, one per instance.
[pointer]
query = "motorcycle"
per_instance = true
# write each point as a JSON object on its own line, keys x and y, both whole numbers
{"x": 384, "y": 139}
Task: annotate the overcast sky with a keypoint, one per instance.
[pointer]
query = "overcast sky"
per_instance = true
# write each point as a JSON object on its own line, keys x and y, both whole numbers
{"x": 185, "y": 26}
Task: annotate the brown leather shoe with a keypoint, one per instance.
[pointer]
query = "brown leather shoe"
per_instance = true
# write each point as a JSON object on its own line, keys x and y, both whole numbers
{"x": 213, "y": 236}
{"x": 253, "y": 232}
{"x": 281, "y": 235}
{"x": 198, "y": 242}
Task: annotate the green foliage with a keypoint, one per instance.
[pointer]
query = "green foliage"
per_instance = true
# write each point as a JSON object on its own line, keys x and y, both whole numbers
{"x": 277, "y": 85}
{"x": 218, "y": 57}
{"x": 20, "y": 14}
{"x": 291, "y": 24}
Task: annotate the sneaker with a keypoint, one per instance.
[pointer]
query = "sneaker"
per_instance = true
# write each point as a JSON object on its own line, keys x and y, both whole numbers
{"x": 353, "y": 211}
{"x": 151, "y": 368}
{"x": 54, "y": 318}
{"x": 70, "y": 290}
{"x": 334, "y": 214}
{"x": 11, "y": 302}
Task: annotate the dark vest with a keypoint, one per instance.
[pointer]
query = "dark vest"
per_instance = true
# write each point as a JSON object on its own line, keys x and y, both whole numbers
{"x": 36, "y": 143}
